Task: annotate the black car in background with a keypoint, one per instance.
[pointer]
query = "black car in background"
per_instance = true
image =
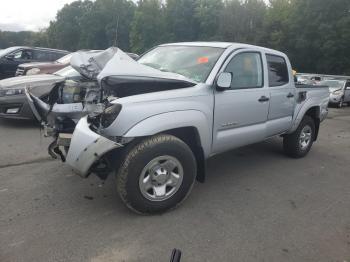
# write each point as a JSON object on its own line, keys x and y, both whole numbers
{"x": 11, "y": 57}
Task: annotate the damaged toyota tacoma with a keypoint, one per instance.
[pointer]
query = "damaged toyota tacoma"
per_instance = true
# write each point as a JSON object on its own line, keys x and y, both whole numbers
{"x": 155, "y": 121}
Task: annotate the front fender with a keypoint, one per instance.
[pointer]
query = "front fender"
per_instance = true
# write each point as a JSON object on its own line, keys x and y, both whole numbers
{"x": 172, "y": 120}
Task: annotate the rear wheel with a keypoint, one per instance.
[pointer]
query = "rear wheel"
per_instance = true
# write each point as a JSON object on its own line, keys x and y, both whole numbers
{"x": 156, "y": 175}
{"x": 299, "y": 143}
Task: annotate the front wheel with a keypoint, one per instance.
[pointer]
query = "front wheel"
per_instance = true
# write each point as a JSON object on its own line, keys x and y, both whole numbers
{"x": 299, "y": 143}
{"x": 156, "y": 175}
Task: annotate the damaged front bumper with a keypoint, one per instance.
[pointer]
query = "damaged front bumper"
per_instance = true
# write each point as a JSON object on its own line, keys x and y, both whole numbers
{"x": 87, "y": 148}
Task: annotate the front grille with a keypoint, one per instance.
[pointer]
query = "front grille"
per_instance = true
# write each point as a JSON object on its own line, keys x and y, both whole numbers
{"x": 20, "y": 71}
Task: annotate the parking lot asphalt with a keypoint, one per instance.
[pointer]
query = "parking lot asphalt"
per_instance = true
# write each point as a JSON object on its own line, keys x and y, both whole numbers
{"x": 256, "y": 205}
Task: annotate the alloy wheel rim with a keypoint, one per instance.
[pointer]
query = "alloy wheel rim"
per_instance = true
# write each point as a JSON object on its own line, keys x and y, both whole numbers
{"x": 305, "y": 137}
{"x": 161, "y": 178}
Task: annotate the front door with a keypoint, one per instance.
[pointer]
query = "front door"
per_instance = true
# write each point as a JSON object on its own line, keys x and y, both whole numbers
{"x": 241, "y": 111}
{"x": 19, "y": 57}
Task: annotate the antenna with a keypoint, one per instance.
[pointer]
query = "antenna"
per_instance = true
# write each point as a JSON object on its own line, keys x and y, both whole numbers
{"x": 116, "y": 32}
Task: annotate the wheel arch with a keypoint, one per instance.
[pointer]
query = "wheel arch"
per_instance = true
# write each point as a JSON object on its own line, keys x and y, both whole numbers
{"x": 191, "y": 137}
{"x": 315, "y": 112}
{"x": 191, "y": 126}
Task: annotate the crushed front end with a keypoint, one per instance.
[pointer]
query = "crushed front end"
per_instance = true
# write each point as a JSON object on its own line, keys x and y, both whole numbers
{"x": 87, "y": 149}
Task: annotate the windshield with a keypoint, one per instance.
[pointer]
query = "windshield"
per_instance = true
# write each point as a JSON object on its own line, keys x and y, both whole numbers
{"x": 193, "y": 62}
{"x": 65, "y": 59}
{"x": 7, "y": 50}
{"x": 333, "y": 84}
{"x": 68, "y": 72}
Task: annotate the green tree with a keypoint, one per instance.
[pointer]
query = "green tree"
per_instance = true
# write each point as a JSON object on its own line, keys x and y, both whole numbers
{"x": 242, "y": 21}
{"x": 181, "y": 23}
{"x": 106, "y": 24}
{"x": 65, "y": 31}
{"x": 320, "y": 36}
{"x": 147, "y": 28}
{"x": 207, "y": 14}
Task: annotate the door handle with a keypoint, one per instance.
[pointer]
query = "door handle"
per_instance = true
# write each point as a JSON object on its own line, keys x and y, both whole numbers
{"x": 263, "y": 99}
{"x": 290, "y": 95}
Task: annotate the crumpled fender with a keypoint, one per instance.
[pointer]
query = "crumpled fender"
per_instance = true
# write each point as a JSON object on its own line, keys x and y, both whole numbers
{"x": 87, "y": 147}
{"x": 172, "y": 120}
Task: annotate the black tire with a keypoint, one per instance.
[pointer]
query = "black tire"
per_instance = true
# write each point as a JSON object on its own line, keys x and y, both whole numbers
{"x": 137, "y": 158}
{"x": 291, "y": 143}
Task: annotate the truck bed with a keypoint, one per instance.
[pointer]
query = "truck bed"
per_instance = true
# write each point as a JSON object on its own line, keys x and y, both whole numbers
{"x": 310, "y": 95}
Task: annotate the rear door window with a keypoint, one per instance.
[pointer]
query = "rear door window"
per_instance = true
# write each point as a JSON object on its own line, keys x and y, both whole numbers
{"x": 56, "y": 56}
{"x": 278, "y": 70}
{"x": 42, "y": 55}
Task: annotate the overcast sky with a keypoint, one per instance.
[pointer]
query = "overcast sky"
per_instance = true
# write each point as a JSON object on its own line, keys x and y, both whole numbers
{"x": 17, "y": 15}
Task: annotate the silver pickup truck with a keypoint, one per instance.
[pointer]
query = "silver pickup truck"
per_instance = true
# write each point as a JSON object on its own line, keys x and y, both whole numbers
{"x": 159, "y": 118}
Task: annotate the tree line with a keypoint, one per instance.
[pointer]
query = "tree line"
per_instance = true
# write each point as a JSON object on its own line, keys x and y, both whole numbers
{"x": 315, "y": 34}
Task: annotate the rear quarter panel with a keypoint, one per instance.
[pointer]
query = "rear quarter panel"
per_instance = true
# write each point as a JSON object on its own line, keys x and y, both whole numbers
{"x": 315, "y": 97}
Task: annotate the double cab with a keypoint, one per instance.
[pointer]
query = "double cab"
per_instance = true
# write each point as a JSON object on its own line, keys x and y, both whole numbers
{"x": 160, "y": 118}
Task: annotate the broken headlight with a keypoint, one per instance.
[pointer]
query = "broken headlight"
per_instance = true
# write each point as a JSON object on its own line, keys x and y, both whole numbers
{"x": 110, "y": 114}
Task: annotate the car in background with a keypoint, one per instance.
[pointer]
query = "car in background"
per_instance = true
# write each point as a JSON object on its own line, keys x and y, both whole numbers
{"x": 36, "y": 68}
{"x": 11, "y": 57}
{"x": 339, "y": 91}
{"x": 77, "y": 90}
{"x": 13, "y": 102}
{"x": 51, "y": 67}
{"x": 309, "y": 79}
{"x": 133, "y": 56}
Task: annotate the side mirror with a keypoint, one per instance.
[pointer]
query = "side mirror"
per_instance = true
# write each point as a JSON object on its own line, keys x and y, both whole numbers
{"x": 224, "y": 81}
{"x": 10, "y": 57}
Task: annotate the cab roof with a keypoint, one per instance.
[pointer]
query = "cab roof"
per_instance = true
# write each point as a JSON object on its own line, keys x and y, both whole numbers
{"x": 224, "y": 45}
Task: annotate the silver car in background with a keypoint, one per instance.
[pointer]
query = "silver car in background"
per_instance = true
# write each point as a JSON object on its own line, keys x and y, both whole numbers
{"x": 339, "y": 91}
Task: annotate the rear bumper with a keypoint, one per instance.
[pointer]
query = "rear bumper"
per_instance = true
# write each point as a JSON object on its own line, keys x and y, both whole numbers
{"x": 17, "y": 102}
{"x": 87, "y": 147}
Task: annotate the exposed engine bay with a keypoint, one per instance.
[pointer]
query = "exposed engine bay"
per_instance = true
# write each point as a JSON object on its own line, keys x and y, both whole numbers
{"x": 105, "y": 76}
{"x": 69, "y": 101}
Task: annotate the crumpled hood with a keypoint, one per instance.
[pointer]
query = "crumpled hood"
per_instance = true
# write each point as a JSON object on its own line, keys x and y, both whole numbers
{"x": 29, "y": 80}
{"x": 114, "y": 62}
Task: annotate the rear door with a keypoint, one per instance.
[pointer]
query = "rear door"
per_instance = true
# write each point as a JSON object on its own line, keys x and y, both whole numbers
{"x": 282, "y": 95}
{"x": 42, "y": 56}
{"x": 241, "y": 111}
